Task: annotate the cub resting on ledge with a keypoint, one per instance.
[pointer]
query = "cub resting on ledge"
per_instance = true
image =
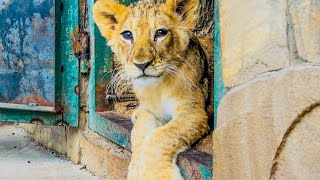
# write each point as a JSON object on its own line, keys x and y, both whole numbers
{"x": 162, "y": 58}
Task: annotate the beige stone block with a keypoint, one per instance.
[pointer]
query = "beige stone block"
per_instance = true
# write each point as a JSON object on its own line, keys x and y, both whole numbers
{"x": 253, "y": 39}
{"x": 299, "y": 158}
{"x": 305, "y": 17}
{"x": 253, "y": 119}
{"x": 102, "y": 157}
{"x": 73, "y": 144}
{"x": 64, "y": 140}
{"x": 52, "y": 137}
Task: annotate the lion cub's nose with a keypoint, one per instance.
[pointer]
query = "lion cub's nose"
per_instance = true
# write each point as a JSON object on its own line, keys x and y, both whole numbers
{"x": 143, "y": 66}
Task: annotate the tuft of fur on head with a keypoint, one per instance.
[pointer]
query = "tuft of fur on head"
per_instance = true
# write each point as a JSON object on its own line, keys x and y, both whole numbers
{"x": 133, "y": 34}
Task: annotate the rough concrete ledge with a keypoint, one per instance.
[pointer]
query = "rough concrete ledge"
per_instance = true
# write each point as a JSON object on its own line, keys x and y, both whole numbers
{"x": 22, "y": 158}
{"x": 48, "y": 136}
{"x": 100, "y": 156}
{"x": 103, "y": 157}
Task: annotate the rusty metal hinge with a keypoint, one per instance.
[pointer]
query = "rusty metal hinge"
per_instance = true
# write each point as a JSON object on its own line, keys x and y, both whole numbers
{"x": 62, "y": 121}
{"x": 81, "y": 48}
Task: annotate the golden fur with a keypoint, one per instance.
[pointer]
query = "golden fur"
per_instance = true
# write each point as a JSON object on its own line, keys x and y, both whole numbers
{"x": 171, "y": 115}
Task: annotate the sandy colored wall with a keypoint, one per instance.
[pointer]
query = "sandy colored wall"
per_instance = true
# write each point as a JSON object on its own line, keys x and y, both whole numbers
{"x": 268, "y": 120}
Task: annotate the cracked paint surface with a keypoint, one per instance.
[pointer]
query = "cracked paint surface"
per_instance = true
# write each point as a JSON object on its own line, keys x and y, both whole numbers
{"x": 27, "y": 52}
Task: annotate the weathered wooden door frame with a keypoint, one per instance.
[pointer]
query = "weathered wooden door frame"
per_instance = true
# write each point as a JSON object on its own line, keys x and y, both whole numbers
{"x": 218, "y": 87}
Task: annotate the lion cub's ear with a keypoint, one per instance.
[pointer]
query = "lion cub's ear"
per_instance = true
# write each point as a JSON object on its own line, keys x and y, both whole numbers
{"x": 186, "y": 9}
{"x": 108, "y": 14}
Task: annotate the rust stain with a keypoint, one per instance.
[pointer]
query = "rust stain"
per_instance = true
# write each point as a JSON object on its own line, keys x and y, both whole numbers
{"x": 77, "y": 90}
{"x": 37, "y": 121}
{"x": 36, "y": 24}
{"x": 80, "y": 44}
{"x": 33, "y": 100}
{"x": 100, "y": 98}
{"x": 76, "y": 45}
{"x": 61, "y": 123}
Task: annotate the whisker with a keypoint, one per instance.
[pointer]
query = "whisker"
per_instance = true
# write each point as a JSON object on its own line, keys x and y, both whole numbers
{"x": 186, "y": 80}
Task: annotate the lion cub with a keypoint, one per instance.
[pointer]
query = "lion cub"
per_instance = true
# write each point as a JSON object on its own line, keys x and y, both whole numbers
{"x": 162, "y": 58}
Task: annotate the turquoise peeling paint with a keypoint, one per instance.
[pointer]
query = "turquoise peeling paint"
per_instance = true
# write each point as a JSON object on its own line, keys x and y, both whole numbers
{"x": 65, "y": 21}
{"x": 101, "y": 60}
{"x": 184, "y": 172}
{"x": 24, "y": 116}
{"x": 27, "y": 44}
{"x": 69, "y": 22}
{"x": 205, "y": 172}
{"x": 219, "y": 88}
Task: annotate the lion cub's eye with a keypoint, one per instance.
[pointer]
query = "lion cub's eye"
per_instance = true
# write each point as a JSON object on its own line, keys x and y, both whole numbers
{"x": 160, "y": 33}
{"x": 127, "y": 35}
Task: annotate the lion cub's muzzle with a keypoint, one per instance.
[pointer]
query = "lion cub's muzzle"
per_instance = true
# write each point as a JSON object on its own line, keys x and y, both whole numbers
{"x": 143, "y": 68}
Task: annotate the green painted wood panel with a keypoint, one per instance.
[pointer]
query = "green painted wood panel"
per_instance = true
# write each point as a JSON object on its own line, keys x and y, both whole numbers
{"x": 64, "y": 66}
{"x": 219, "y": 88}
{"x": 67, "y": 23}
{"x": 101, "y": 64}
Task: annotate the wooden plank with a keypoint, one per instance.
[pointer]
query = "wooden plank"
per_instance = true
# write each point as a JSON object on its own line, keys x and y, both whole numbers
{"x": 25, "y": 116}
{"x": 67, "y": 65}
{"x": 122, "y": 121}
{"x": 26, "y": 107}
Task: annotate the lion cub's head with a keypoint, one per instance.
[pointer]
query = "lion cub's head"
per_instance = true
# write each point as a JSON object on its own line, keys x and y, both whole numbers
{"x": 149, "y": 39}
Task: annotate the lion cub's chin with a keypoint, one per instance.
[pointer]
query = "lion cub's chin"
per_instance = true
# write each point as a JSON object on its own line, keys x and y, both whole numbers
{"x": 147, "y": 81}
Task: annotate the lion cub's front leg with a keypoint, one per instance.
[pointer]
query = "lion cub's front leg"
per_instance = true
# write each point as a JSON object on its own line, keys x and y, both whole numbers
{"x": 163, "y": 145}
{"x": 144, "y": 124}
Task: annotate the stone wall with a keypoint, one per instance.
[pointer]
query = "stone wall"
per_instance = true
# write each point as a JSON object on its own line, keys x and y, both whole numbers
{"x": 268, "y": 121}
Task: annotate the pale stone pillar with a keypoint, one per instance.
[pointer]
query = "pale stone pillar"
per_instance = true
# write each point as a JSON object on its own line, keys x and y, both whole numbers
{"x": 278, "y": 110}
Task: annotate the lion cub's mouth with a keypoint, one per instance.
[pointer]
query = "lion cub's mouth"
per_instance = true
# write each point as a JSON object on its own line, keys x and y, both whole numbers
{"x": 146, "y": 80}
{"x": 145, "y": 76}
